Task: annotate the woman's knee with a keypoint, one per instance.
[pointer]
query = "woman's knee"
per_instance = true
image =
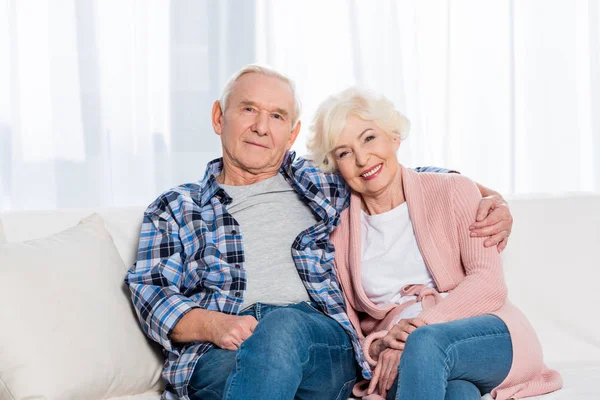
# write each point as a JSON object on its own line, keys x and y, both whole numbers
{"x": 426, "y": 340}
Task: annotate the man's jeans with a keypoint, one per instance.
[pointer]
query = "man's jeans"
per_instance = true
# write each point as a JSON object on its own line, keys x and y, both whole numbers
{"x": 459, "y": 360}
{"x": 295, "y": 352}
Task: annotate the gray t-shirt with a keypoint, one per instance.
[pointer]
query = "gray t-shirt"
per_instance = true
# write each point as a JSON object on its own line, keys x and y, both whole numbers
{"x": 271, "y": 215}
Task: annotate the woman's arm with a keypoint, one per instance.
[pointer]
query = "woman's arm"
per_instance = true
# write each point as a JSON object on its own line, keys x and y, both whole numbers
{"x": 483, "y": 290}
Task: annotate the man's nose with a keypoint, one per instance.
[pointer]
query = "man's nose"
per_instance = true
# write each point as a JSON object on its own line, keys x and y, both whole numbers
{"x": 261, "y": 125}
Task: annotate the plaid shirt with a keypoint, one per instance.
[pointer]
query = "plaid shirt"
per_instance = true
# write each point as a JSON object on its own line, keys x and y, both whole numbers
{"x": 191, "y": 255}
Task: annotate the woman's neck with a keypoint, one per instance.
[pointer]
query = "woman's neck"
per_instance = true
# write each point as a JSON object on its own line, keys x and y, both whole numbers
{"x": 389, "y": 198}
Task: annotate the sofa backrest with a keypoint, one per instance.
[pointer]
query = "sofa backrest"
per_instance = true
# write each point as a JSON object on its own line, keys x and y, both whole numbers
{"x": 552, "y": 263}
{"x": 552, "y": 268}
{"x": 123, "y": 224}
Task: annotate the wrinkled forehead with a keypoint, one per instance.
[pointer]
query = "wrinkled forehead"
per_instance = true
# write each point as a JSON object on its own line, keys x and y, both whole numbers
{"x": 267, "y": 91}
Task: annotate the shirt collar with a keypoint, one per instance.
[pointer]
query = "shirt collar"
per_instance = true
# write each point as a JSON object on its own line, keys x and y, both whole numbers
{"x": 212, "y": 188}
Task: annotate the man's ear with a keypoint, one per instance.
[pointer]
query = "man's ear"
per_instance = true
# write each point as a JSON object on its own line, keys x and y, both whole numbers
{"x": 217, "y": 117}
{"x": 294, "y": 135}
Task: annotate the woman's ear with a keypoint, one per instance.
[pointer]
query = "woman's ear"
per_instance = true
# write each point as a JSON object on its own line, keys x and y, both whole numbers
{"x": 396, "y": 140}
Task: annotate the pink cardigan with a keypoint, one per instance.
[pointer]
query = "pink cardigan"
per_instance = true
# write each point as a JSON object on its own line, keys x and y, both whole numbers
{"x": 441, "y": 208}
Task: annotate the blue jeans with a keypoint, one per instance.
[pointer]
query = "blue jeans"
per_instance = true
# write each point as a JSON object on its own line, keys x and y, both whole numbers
{"x": 295, "y": 352}
{"x": 458, "y": 360}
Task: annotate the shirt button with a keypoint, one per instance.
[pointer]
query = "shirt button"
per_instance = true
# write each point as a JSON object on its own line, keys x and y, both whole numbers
{"x": 238, "y": 294}
{"x": 238, "y": 266}
{"x": 233, "y": 232}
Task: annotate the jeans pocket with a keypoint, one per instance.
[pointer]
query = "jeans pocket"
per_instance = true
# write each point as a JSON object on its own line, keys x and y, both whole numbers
{"x": 346, "y": 390}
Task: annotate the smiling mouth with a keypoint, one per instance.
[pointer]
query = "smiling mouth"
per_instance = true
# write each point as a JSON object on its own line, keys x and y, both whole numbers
{"x": 372, "y": 171}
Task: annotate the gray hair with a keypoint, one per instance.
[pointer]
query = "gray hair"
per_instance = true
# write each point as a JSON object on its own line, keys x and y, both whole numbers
{"x": 332, "y": 115}
{"x": 264, "y": 70}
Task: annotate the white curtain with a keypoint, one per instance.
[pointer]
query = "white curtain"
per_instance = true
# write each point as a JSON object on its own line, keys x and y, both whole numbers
{"x": 507, "y": 92}
{"x": 107, "y": 102}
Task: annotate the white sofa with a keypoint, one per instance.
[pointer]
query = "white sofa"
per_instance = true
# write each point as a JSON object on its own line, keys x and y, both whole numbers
{"x": 552, "y": 267}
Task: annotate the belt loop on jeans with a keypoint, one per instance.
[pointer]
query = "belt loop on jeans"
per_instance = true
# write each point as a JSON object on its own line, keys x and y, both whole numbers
{"x": 257, "y": 314}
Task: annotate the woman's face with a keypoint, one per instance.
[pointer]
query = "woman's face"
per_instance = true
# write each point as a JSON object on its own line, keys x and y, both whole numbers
{"x": 366, "y": 156}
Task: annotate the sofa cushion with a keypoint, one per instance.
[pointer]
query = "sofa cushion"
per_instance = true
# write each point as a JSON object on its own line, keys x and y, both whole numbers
{"x": 70, "y": 331}
{"x": 144, "y": 396}
{"x": 124, "y": 225}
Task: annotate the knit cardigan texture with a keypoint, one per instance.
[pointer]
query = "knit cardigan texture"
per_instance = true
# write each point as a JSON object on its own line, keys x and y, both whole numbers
{"x": 441, "y": 209}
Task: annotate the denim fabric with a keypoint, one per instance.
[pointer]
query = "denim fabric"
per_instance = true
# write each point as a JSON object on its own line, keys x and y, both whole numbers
{"x": 295, "y": 352}
{"x": 458, "y": 360}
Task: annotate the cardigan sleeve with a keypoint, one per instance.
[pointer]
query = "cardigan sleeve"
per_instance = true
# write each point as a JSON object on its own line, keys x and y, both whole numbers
{"x": 483, "y": 289}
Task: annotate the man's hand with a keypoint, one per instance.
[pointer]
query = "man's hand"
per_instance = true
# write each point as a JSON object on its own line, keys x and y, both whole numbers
{"x": 226, "y": 331}
{"x": 229, "y": 331}
{"x": 396, "y": 337}
{"x": 386, "y": 371}
{"x": 494, "y": 220}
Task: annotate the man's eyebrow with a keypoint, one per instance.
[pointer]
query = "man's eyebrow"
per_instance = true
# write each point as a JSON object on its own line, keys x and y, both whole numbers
{"x": 282, "y": 111}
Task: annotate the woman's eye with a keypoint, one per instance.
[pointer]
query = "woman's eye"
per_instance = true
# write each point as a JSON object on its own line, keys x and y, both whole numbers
{"x": 343, "y": 154}
{"x": 369, "y": 138}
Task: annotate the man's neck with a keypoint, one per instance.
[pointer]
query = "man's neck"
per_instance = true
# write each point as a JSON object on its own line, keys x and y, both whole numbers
{"x": 232, "y": 176}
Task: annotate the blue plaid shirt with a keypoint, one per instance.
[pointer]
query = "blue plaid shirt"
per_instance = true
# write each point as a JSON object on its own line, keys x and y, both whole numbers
{"x": 191, "y": 255}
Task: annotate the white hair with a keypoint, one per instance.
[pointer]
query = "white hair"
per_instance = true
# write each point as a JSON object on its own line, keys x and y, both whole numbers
{"x": 332, "y": 115}
{"x": 264, "y": 70}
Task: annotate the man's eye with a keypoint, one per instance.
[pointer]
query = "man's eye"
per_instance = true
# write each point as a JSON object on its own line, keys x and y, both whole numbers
{"x": 248, "y": 109}
{"x": 277, "y": 116}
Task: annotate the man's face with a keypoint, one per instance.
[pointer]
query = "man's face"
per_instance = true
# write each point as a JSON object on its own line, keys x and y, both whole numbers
{"x": 256, "y": 128}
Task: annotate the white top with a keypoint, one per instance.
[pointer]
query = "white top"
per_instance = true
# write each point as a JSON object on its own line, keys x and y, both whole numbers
{"x": 391, "y": 259}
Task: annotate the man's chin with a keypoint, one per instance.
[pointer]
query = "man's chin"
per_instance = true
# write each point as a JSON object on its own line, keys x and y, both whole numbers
{"x": 256, "y": 166}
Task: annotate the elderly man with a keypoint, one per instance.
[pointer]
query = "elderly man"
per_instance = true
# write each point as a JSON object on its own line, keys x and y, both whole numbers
{"x": 235, "y": 276}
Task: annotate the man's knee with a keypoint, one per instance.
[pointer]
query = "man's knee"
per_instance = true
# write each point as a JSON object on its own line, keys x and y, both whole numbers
{"x": 279, "y": 338}
{"x": 282, "y": 327}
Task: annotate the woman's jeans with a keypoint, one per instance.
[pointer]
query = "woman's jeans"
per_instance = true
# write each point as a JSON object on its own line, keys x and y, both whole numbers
{"x": 295, "y": 352}
{"x": 459, "y": 360}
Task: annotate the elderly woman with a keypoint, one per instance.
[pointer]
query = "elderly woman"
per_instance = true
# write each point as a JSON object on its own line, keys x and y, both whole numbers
{"x": 428, "y": 298}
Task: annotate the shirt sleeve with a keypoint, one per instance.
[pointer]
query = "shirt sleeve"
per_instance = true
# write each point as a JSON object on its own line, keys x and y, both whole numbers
{"x": 337, "y": 190}
{"x": 331, "y": 184}
{"x": 155, "y": 278}
{"x": 436, "y": 169}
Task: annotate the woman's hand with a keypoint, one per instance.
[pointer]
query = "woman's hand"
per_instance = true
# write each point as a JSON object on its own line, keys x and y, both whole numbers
{"x": 376, "y": 348}
{"x": 396, "y": 337}
{"x": 386, "y": 371}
